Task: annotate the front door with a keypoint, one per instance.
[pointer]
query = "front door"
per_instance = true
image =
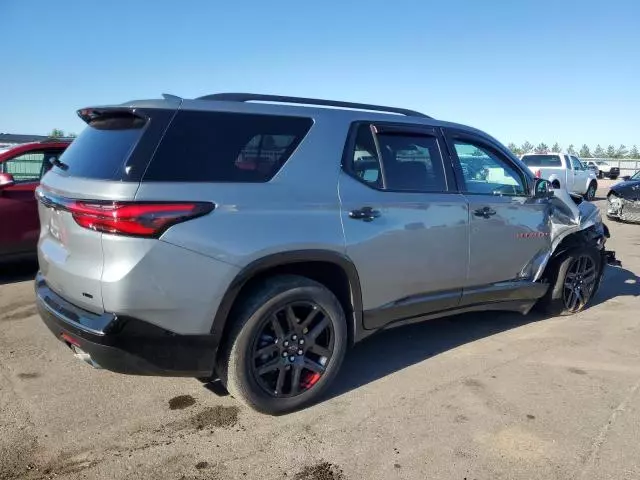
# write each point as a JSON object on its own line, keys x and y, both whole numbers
{"x": 509, "y": 230}
{"x": 19, "y": 225}
{"x": 406, "y": 228}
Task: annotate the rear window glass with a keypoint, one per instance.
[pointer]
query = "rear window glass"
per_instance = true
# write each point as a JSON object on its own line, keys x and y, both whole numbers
{"x": 542, "y": 160}
{"x": 102, "y": 148}
{"x": 225, "y": 147}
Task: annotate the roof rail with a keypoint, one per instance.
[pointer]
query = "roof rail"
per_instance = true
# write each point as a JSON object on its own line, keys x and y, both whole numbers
{"x": 247, "y": 97}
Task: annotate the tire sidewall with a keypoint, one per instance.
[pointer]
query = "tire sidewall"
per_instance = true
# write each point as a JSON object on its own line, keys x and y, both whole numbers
{"x": 554, "y": 299}
{"x": 242, "y": 349}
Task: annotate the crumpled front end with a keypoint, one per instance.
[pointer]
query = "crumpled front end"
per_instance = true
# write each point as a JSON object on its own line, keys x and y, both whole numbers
{"x": 625, "y": 209}
{"x": 568, "y": 217}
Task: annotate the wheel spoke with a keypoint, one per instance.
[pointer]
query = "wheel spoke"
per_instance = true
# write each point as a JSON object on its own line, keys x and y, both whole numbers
{"x": 319, "y": 350}
{"x": 268, "y": 350}
{"x": 571, "y": 275}
{"x": 579, "y": 298}
{"x": 307, "y": 321}
{"x": 569, "y": 298}
{"x": 318, "y": 329}
{"x": 292, "y": 320}
{"x": 295, "y": 380}
{"x": 313, "y": 366}
{"x": 280, "y": 382}
{"x": 277, "y": 328}
{"x": 269, "y": 366}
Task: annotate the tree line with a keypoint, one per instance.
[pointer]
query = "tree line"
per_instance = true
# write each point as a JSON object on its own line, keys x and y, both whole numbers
{"x": 57, "y": 133}
{"x": 610, "y": 152}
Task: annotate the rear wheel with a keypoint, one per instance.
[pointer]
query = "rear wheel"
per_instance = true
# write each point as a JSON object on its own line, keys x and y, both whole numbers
{"x": 573, "y": 278}
{"x": 613, "y": 177}
{"x": 600, "y": 174}
{"x": 286, "y": 346}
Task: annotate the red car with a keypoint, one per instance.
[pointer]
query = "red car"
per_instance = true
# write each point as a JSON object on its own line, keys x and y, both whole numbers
{"x": 21, "y": 168}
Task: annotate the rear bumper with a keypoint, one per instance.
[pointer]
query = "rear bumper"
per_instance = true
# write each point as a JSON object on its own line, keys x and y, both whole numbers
{"x": 124, "y": 344}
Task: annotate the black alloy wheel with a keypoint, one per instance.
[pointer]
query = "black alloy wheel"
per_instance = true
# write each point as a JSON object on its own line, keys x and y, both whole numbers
{"x": 292, "y": 349}
{"x": 579, "y": 283}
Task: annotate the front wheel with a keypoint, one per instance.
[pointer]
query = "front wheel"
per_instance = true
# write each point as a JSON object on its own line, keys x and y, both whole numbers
{"x": 286, "y": 346}
{"x": 573, "y": 278}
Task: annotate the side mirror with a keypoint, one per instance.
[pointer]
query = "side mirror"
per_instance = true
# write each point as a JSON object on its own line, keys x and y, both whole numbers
{"x": 542, "y": 188}
{"x": 6, "y": 180}
{"x": 626, "y": 177}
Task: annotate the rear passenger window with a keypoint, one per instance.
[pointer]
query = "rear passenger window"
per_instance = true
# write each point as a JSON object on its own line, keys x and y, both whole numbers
{"x": 410, "y": 163}
{"x": 226, "y": 147}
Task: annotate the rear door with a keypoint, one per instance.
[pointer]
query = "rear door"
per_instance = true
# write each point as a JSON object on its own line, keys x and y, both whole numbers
{"x": 104, "y": 164}
{"x": 406, "y": 227}
{"x": 509, "y": 229}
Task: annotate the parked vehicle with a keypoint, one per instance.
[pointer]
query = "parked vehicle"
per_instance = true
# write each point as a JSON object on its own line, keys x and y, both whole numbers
{"x": 21, "y": 167}
{"x": 563, "y": 171}
{"x": 593, "y": 168}
{"x": 604, "y": 169}
{"x": 623, "y": 199}
{"x": 254, "y": 242}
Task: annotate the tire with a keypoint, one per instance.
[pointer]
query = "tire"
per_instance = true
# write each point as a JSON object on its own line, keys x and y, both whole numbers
{"x": 591, "y": 191}
{"x": 613, "y": 177}
{"x": 239, "y": 366}
{"x": 554, "y": 302}
{"x": 600, "y": 174}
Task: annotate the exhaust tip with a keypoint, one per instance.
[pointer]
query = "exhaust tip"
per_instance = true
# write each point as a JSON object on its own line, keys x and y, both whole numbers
{"x": 84, "y": 356}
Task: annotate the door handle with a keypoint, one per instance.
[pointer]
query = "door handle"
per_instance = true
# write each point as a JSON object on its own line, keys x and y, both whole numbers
{"x": 484, "y": 212}
{"x": 365, "y": 213}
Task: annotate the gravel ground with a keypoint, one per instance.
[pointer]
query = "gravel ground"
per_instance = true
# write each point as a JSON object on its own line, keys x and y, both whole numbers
{"x": 482, "y": 396}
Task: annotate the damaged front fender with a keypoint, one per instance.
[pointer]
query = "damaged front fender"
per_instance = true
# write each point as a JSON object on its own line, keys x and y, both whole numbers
{"x": 568, "y": 217}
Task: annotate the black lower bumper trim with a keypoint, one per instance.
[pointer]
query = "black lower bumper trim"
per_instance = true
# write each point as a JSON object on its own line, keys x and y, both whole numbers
{"x": 123, "y": 344}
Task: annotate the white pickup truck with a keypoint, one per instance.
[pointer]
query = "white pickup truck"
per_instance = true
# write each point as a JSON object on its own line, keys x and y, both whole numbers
{"x": 563, "y": 171}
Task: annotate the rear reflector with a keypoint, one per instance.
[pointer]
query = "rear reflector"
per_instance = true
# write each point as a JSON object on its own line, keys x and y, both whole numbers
{"x": 135, "y": 219}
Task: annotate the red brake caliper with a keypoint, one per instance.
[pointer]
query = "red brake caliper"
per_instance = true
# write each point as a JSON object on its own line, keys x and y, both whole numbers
{"x": 309, "y": 380}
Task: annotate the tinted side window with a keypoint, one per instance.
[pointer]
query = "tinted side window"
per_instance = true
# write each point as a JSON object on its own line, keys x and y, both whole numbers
{"x": 24, "y": 168}
{"x": 225, "y": 147}
{"x": 365, "y": 164}
{"x": 412, "y": 163}
{"x": 485, "y": 171}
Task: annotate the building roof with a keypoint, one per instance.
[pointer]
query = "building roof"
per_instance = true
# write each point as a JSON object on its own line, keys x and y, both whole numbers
{"x": 17, "y": 138}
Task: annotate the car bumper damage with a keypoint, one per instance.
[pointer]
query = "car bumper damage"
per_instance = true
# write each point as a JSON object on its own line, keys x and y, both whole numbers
{"x": 124, "y": 344}
{"x": 621, "y": 208}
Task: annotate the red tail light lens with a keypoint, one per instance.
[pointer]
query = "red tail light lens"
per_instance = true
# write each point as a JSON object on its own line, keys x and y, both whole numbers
{"x": 538, "y": 174}
{"x": 135, "y": 219}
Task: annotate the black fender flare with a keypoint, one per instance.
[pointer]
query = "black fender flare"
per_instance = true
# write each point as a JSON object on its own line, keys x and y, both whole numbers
{"x": 287, "y": 258}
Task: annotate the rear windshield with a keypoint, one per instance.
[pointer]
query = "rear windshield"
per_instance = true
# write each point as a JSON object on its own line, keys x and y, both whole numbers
{"x": 102, "y": 148}
{"x": 225, "y": 147}
{"x": 542, "y": 160}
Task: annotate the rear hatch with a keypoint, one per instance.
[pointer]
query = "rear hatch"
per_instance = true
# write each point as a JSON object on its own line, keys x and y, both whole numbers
{"x": 101, "y": 169}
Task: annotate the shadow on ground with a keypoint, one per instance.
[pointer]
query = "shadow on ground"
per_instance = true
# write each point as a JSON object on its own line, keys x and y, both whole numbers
{"x": 392, "y": 350}
{"x": 18, "y": 271}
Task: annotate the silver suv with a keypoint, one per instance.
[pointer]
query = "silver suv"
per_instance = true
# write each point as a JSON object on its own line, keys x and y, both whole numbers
{"x": 253, "y": 238}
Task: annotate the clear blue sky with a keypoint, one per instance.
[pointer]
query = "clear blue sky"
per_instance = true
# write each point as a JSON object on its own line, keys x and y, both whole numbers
{"x": 566, "y": 71}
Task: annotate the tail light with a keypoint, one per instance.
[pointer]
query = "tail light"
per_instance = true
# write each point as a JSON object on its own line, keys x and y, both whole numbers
{"x": 538, "y": 173}
{"x": 134, "y": 219}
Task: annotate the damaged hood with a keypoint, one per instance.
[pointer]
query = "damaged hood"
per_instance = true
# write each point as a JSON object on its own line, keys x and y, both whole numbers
{"x": 568, "y": 217}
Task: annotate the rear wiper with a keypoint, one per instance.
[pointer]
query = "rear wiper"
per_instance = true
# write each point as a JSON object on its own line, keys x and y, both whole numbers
{"x": 59, "y": 164}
